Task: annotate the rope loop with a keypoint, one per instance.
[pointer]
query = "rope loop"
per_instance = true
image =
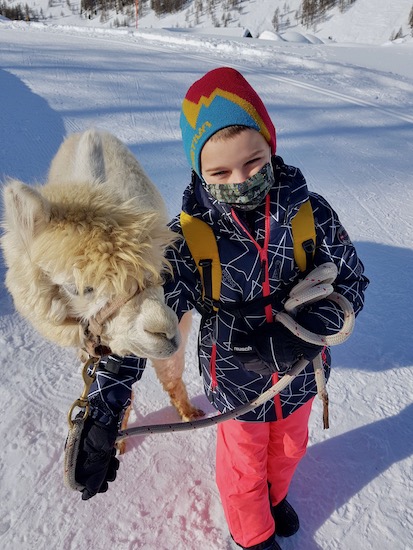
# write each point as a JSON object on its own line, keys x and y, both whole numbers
{"x": 316, "y": 286}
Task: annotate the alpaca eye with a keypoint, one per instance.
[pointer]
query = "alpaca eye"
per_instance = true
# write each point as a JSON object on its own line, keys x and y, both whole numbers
{"x": 88, "y": 290}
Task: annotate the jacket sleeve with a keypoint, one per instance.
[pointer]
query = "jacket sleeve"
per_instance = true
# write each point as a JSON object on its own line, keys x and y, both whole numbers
{"x": 111, "y": 391}
{"x": 183, "y": 289}
{"x": 334, "y": 245}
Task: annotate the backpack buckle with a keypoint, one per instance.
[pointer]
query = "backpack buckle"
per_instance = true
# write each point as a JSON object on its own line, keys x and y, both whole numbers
{"x": 309, "y": 246}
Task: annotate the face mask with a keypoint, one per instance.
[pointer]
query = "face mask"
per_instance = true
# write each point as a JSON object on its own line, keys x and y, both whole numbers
{"x": 246, "y": 195}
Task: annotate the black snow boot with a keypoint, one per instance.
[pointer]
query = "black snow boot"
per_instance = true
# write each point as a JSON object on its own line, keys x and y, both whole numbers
{"x": 269, "y": 544}
{"x": 286, "y": 519}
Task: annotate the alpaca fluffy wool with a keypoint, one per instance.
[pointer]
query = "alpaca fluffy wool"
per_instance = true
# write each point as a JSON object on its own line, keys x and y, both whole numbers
{"x": 94, "y": 231}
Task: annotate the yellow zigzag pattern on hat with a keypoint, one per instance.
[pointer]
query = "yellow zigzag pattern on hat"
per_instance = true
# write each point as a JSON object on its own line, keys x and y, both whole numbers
{"x": 191, "y": 110}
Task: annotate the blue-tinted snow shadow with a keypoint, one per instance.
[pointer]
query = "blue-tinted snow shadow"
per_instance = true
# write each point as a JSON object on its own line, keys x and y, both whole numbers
{"x": 382, "y": 338}
{"x": 336, "y": 469}
{"x": 30, "y": 131}
{"x": 30, "y": 134}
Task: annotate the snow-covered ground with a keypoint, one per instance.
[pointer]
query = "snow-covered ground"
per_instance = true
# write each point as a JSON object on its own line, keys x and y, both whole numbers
{"x": 344, "y": 116}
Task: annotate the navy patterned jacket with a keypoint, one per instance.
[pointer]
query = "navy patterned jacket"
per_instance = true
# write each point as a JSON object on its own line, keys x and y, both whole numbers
{"x": 256, "y": 252}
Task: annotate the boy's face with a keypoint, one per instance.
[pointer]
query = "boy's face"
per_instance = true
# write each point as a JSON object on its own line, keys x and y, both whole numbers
{"x": 235, "y": 159}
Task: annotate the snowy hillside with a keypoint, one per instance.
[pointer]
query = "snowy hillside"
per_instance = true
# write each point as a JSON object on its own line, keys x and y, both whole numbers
{"x": 361, "y": 21}
{"x": 343, "y": 115}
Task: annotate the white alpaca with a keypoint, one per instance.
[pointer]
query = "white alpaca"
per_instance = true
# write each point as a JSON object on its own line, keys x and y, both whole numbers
{"x": 94, "y": 235}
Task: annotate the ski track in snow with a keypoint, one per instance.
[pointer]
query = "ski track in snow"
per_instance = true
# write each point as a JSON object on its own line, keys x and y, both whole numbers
{"x": 349, "y": 130}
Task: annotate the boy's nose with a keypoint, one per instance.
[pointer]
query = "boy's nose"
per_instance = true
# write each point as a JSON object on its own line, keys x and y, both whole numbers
{"x": 239, "y": 176}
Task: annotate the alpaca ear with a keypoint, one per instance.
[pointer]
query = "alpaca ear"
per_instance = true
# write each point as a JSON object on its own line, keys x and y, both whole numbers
{"x": 89, "y": 162}
{"x": 26, "y": 212}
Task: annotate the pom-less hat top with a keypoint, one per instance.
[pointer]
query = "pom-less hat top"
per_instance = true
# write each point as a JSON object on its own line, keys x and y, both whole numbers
{"x": 221, "y": 98}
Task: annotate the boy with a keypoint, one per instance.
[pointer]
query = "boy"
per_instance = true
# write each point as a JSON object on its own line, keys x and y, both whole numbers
{"x": 249, "y": 197}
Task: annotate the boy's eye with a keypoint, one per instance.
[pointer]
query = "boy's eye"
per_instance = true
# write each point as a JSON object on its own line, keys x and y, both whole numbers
{"x": 254, "y": 161}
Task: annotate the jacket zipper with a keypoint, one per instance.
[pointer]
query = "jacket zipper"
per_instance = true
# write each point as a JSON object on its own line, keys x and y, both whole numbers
{"x": 263, "y": 253}
{"x": 213, "y": 367}
{"x": 266, "y": 289}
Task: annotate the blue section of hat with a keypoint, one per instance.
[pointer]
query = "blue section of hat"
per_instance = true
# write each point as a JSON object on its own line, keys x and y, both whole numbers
{"x": 220, "y": 113}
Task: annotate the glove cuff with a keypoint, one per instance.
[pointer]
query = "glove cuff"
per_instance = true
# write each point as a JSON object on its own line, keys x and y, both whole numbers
{"x": 110, "y": 393}
{"x": 104, "y": 418}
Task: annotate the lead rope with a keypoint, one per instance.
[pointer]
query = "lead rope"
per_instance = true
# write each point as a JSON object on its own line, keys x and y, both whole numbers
{"x": 317, "y": 285}
{"x": 76, "y": 425}
{"x": 95, "y": 350}
{"x": 321, "y": 388}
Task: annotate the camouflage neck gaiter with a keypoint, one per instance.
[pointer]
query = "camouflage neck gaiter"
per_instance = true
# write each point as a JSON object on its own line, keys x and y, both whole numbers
{"x": 246, "y": 195}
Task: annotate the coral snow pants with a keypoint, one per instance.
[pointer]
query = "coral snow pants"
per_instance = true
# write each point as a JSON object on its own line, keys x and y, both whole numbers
{"x": 255, "y": 464}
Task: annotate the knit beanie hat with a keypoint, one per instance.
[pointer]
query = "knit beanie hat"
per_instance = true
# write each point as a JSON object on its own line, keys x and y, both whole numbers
{"x": 221, "y": 98}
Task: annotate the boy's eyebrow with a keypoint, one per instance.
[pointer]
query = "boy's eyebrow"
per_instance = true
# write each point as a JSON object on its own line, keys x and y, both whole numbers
{"x": 249, "y": 157}
{"x": 215, "y": 169}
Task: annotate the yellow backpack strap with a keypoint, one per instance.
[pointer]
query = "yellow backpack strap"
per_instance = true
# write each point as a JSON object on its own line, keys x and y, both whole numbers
{"x": 304, "y": 236}
{"x": 202, "y": 243}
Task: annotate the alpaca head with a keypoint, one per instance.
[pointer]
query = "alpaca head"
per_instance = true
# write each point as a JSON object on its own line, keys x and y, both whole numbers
{"x": 70, "y": 251}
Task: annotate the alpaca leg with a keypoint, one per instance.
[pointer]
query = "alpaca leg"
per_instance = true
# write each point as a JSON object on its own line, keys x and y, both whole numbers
{"x": 179, "y": 396}
{"x": 169, "y": 372}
